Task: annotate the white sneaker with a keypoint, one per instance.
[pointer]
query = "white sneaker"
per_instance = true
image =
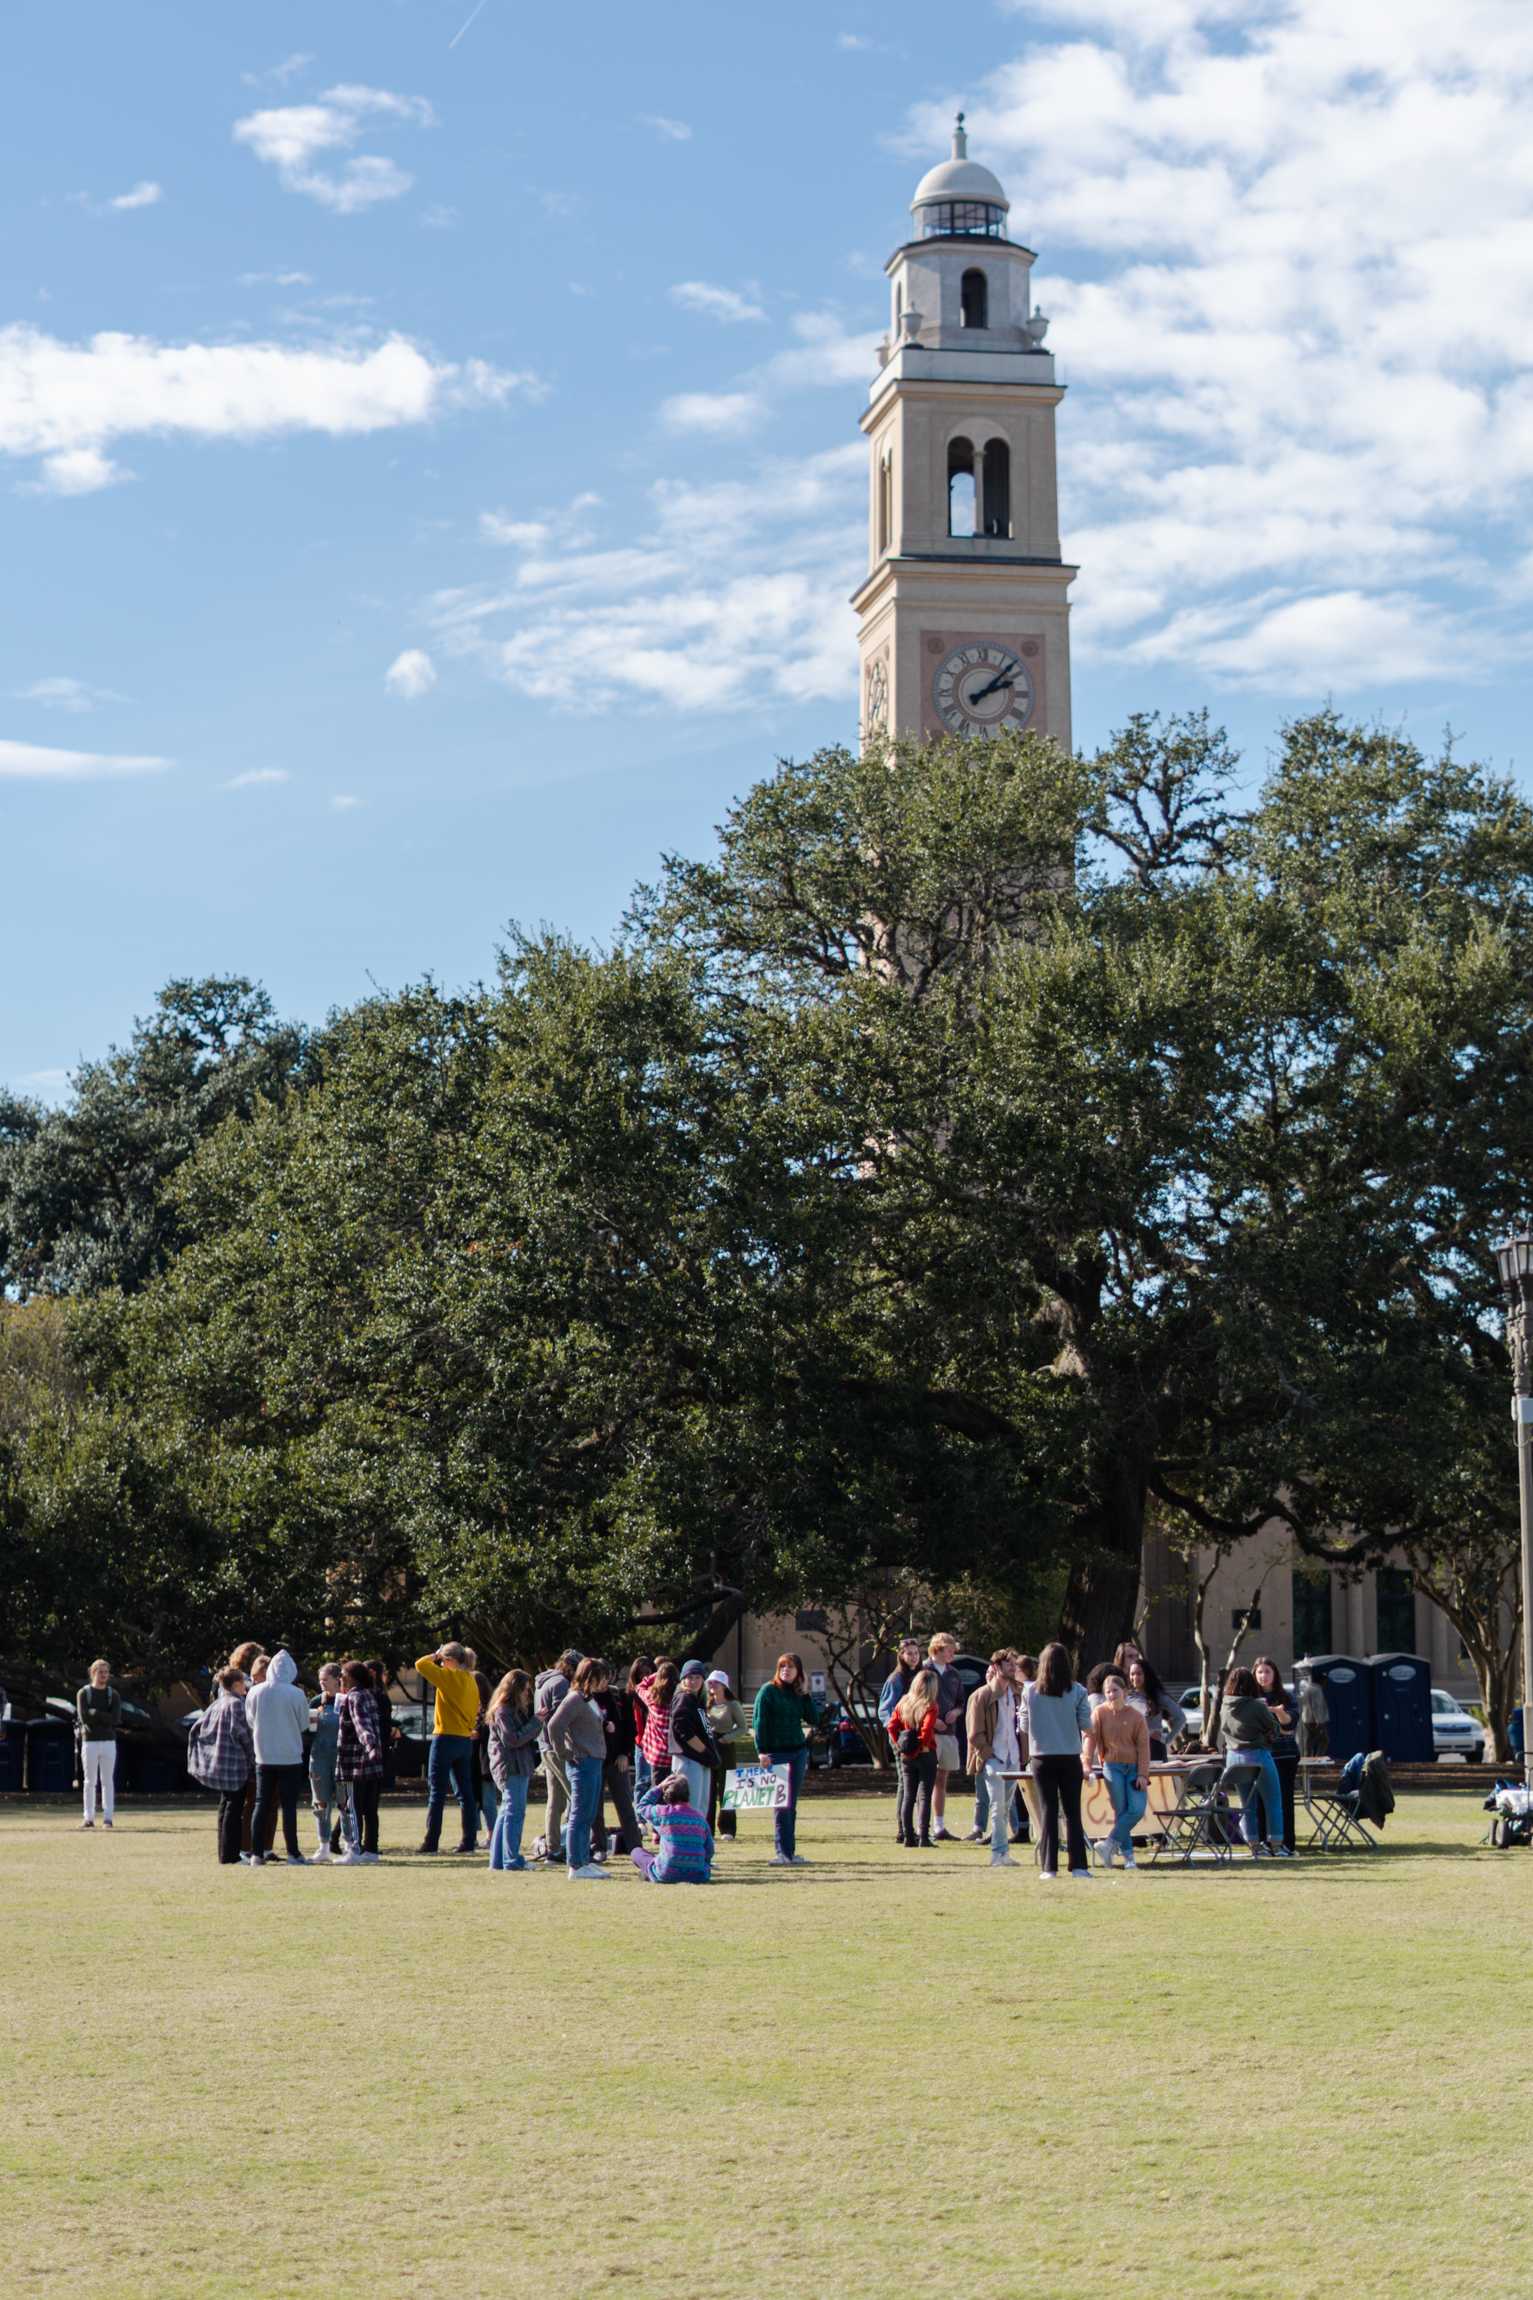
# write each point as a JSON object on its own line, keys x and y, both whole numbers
{"x": 1106, "y": 1851}
{"x": 780, "y": 1861}
{"x": 1129, "y": 1861}
{"x": 245, "y": 1860}
{"x": 1048, "y": 1876}
{"x": 324, "y": 1857}
{"x": 371, "y": 1859}
{"x": 799, "y": 1860}
{"x": 589, "y": 1872}
{"x": 345, "y": 1860}
{"x": 1003, "y": 1861}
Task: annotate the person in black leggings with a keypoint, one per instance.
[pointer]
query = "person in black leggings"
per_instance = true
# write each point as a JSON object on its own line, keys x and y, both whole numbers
{"x": 1058, "y": 1712}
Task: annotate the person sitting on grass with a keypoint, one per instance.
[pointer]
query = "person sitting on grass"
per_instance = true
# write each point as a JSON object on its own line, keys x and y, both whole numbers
{"x": 913, "y": 1731}
{"x": 1247, "y": 1732}
{"x": 1119, "y": 1741}
{"x": 685, "y": 1856}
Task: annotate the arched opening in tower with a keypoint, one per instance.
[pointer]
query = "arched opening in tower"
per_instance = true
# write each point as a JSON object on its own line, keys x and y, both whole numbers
{"x": 961, "y": 506}
{"x": 974, "y": 300}
{"x": 997, "y": 504}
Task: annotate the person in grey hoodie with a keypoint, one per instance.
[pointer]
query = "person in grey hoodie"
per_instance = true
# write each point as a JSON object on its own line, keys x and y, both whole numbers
{"x": 1057, "y": 1712}
{"x": 1248, "y": 1732}
{"x": 277, "y": 1711}
{"x": 577, "y": 1736}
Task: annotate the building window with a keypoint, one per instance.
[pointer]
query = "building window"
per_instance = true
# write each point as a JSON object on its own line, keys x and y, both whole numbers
{"x": 1311, "y": 1613}
{"x": 810, "y": 1617}
{"x": 960, "y": 487}
{"x": 1395, "y": 1594}
{"x": 997, "y": 504}
{"x": 962, "y": 220}
{"x": 974, "y": 300}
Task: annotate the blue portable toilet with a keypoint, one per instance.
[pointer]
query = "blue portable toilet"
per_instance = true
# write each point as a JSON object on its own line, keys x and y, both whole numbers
{"x": 13, "y": 1751}
{"x": 1402, "y": 1707}
{"x": 50, "y": 1756}
{"x": 1347, "y": 1684}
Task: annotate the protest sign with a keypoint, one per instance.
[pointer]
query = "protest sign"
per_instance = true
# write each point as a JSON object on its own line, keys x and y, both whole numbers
{"x": 756, "y": 1789}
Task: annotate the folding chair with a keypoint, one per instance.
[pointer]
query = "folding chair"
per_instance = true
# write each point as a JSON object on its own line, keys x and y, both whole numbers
{"x": 1335, "y": 1826}
{"x": 1199, "y": 1821}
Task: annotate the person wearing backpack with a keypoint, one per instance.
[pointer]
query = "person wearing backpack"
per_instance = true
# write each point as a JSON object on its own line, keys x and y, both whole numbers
{"x": 913, "y": 1730}
{"x": 221, "y": 1755}
{"x": 98, "y": 1707}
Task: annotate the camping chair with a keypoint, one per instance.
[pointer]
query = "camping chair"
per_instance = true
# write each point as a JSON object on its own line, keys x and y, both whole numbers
{"x": 1335, "y": 1825}
{"x": 1199, "y": 1820}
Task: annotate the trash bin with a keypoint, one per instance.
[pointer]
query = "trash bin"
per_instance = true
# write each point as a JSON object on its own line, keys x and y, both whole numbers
{"x": 1402, "y": 1707}
{"x": 1347, "y": 1684}
{"x": 50, "y": 1759}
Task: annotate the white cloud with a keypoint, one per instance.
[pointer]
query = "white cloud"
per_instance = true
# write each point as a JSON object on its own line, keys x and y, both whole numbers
{"x": 65, "y": 402}
{"x": 144, "y": 195}
{"x": 737, "y": 592}
{"x": 1298, "y": 449}
{"x": 721, "y": 303}
{"x": 37, "y": 762}
{"x": 76, "y": 471}
{"x": 276, "y": 279}
{"x": 712, "y": 411}
{"x": 669, "y": 131}
{"x": 278, "y": 75}
{"x": 255, "y": 777}
{"x": 410, "y": 675}
{"x": 65, "y": 694}
{"x": 292, "y": 137}
{"x": 344, "y": 802}
{"x": 520, "y": 534}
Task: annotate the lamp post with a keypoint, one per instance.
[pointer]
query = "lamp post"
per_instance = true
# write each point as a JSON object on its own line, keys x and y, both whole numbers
{"x": 1514, "y": 1258}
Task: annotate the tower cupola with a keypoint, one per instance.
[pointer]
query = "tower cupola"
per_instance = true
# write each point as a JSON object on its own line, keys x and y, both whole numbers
{"x": 958, "y": 199}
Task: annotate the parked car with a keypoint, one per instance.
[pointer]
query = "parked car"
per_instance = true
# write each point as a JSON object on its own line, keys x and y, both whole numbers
{"x": 843, "y": 1744}
{"x": 1454, "y": 1731}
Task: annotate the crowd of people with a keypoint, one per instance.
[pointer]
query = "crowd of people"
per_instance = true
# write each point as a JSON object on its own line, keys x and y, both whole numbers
{"x": 656, "y": 1744}
{"x": 1033, "y": 1734}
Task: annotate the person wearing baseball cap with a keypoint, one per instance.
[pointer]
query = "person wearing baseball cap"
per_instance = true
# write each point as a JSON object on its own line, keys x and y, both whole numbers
{"x": 689, "y": 1731}
{"x": 731, "y": 1730}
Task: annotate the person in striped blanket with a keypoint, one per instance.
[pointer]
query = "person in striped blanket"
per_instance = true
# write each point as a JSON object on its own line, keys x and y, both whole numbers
{"x": 686, "y": 1841}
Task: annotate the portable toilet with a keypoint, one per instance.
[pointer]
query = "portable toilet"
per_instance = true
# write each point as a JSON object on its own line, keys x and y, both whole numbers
{"x": 1402, "y": 1707}
{"x": 1347, "y": 1684}
{"x": 50, "y": 1756}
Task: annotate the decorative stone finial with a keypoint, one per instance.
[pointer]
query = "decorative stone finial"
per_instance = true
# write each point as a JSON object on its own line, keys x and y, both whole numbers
{"x": 960, "y": 140}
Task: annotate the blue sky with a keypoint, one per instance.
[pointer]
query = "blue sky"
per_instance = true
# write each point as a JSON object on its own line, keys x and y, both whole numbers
{"x": 428, "y": 446}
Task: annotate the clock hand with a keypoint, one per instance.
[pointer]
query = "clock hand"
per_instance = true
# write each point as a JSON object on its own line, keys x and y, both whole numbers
{"x": 1001, "y": 679}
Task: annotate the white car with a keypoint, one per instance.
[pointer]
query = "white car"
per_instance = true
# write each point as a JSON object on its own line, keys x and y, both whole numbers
{"x": 1454, "y": 1731}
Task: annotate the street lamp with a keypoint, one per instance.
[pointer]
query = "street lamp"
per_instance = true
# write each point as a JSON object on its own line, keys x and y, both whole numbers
{"x": 1514, "y": 1259}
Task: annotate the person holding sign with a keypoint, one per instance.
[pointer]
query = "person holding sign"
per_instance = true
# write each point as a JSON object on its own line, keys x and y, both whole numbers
{"x": 785, "y": 1715}
{"x": 731, "y": 1731}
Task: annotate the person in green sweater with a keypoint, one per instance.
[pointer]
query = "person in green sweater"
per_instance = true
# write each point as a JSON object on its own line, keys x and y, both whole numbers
{"x": 98, "y": 1706}
{"x": 786, "y": 1713}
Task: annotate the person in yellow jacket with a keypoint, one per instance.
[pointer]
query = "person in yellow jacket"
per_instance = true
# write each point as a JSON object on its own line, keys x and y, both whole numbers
{"x": 451, "y": 1762}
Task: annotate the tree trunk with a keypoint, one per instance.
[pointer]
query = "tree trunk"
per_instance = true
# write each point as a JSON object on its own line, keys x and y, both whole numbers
{"x": 1103, "y": 1588}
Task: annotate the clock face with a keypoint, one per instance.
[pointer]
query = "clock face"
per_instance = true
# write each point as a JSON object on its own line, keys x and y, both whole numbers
{"x": 984, "y": 688}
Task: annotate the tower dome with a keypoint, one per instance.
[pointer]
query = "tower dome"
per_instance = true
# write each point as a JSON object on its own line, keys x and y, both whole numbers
{"x": 958, "y": 199}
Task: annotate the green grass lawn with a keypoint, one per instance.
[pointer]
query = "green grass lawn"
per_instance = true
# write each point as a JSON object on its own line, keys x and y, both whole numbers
{"x": 884, "y": 2073}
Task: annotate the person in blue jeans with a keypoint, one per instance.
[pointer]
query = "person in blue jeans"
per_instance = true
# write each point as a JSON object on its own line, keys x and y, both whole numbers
{"x": 785, "y": 1715}
{"x": 514, "y": 1730}
{"x": 1119, "y": 1741}
{"x": 450, "y": 1766}
{"x": 577, "y": 1735}
{"x": 1247, "y": 1732}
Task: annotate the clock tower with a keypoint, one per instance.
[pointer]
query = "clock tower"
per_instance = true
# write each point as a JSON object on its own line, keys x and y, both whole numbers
{"x": 963, "y": 618}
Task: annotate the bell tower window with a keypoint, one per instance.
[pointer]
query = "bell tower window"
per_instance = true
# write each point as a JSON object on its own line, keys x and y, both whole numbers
{"x": 996, "y": 508}
{"x": 885, "y": 501}
{"x": 974, "y": 300}
{"x": 960, "y": 487}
